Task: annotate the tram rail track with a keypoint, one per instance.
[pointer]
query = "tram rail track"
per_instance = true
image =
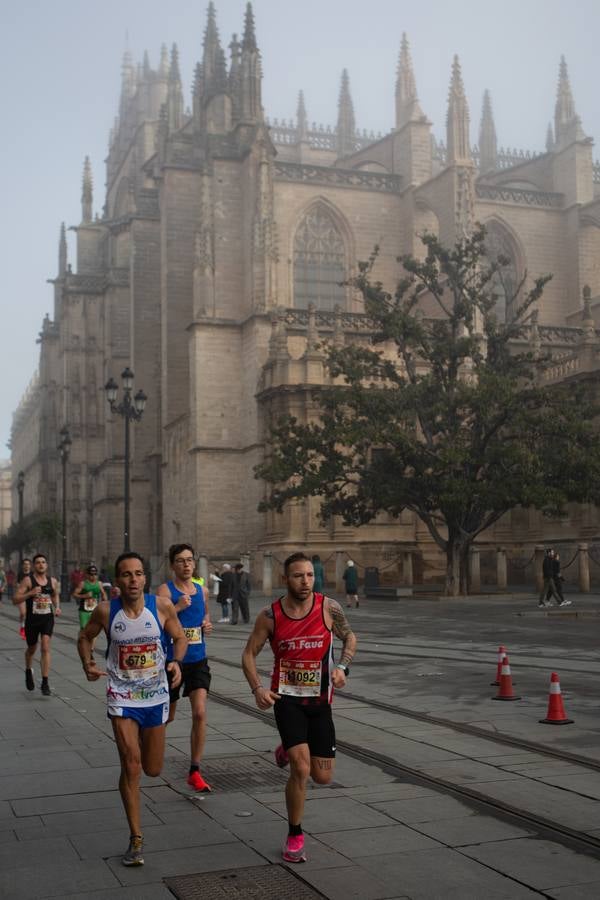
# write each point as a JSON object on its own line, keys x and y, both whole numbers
{"x": 543, "y": 826}
{"x": 498, "y": 737}
{"x": 465, "y": 728}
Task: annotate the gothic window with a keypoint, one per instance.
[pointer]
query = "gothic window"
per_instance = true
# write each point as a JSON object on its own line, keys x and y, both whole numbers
{"x": 319, "y": 261}
{"x": 505, "y": 281}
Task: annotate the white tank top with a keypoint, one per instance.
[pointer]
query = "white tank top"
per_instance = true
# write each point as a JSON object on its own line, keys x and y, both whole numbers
{"x": 136, "y": 659}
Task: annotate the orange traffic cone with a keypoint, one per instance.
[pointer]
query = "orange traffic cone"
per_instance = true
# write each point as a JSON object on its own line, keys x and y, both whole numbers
{"x": 556, "y": 710}
{"x": 506, "y": 689}
{"x": 501, "y": 655}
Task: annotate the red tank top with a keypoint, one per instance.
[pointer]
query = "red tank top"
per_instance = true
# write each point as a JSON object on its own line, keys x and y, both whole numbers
{"x": 303, "y": 651}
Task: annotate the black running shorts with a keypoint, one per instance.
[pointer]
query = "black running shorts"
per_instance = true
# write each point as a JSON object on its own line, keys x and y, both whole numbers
{"x": 306, "y": 724}
{"x": 36, "y": 626}
{"x": 194, "y": 675}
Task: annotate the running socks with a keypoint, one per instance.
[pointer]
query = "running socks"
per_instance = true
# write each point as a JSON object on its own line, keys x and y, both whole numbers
{"x": 294, "y": 830}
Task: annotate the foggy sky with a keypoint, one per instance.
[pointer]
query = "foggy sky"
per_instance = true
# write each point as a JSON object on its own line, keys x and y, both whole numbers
{"x": 60, "y": 72}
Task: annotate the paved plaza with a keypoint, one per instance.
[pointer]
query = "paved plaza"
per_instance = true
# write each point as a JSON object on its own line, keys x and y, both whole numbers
{"x": 372, "y": 834}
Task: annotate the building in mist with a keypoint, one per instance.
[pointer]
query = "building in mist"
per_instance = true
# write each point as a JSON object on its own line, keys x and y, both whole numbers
{"x": 214, "y": 267}
{"x": 5, "y": 496}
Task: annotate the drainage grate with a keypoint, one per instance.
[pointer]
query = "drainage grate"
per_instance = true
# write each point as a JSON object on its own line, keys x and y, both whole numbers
{"x": 230, "y": 773}
{"x": 265, "y": 882}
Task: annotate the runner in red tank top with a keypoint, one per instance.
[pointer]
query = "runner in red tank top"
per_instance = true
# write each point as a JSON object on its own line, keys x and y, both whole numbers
{"x": 300, "y": 628}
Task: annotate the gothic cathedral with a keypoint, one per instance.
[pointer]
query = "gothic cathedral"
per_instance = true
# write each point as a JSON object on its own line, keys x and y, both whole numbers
{"x": 216, "y": 269}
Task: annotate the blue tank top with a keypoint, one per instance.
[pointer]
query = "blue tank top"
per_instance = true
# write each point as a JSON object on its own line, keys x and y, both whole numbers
{"x": 191, "y": 619}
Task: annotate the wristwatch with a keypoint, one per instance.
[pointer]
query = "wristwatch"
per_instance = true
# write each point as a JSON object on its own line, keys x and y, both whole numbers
{"x": 344, "y": 669}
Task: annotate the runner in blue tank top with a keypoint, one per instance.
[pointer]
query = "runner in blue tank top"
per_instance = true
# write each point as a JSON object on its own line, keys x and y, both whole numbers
{"x": 137, "y": 689}
{"x": 190, "y": 602}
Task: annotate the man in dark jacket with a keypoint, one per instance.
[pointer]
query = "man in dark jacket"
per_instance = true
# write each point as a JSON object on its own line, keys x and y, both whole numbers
{"x": 241, "y": 593}
{"x": 557, "y": 579}
{"x": 225, "y": 596}
{"x": 549, "y": 588}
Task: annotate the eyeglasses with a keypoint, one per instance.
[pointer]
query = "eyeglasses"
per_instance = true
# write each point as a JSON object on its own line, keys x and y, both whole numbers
{"x": 184, "y": 561}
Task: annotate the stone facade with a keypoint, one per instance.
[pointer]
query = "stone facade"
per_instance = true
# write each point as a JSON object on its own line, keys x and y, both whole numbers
{"x": 214, "y": 271}
{"x": 5, "y": 496}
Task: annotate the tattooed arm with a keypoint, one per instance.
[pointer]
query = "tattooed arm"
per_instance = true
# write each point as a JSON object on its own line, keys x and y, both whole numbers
{"x": 262, "y": 631}
{"x": 335, "y": 615}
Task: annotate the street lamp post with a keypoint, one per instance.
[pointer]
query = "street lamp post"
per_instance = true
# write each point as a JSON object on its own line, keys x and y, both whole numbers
{"x": 64, "y": 449}
{"x": 131, "y": 410}
{"x": 20, "y": 489}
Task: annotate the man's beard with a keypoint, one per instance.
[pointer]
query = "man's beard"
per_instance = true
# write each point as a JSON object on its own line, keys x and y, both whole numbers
{"x": 300, "y": 598}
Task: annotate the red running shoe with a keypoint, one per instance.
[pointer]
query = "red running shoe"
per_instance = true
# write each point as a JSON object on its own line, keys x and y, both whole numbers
{"x": 293, "y": 849}
{"x": 281, "y": 757}
{"x": 22, "y": 632}
{"x": 196, "y": 781}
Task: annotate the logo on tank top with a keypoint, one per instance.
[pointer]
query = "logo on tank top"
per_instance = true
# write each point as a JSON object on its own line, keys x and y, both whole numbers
{"x": 302, "y": 643}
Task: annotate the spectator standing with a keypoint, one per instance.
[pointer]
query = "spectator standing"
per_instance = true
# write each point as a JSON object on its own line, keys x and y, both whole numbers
{"x": 241, "y": 595}
{"x": 319, "y": 574}
{"x": 225, "y": 595}
{"x": 350, "y": 577}
{"x": 3, "y": 583}
{"x": 24, "y": 569}
{"x": 215, "y": 582}
{"x": 76, "y": 577}
{"x": 10, "y": 582}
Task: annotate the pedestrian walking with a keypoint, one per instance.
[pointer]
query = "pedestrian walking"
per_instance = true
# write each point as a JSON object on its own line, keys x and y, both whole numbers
{"x": 558, "y": 581}
{"x": 549, "y": 588}
{"x": 300, "y": 627}
{"x": 137, "y": 627}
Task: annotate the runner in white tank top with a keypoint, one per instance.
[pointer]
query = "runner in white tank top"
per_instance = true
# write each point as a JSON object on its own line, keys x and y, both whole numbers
{"x": 137, "y": 691}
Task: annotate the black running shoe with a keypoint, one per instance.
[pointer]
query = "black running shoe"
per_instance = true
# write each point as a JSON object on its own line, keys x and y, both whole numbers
{"x": 29, "y": 682}
{"x": 46, "y": 689}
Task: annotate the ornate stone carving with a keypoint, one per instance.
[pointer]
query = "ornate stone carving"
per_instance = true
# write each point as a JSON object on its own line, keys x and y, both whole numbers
{"x": 353, "y": 178}
{"x": 518, "y": 195}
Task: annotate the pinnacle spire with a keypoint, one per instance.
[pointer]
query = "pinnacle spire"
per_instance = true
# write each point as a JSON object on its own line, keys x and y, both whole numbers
{"x": 174, "y": 93}
{"x": 549, "y": 139}
{"x": 457, "y": 121}
{"x": 62, "y": 251}
{"x": 488, "y": 147}
{"x": 174, "y": 73}
{"x": 346, "y": 125}
{"x": 163, "y": 66}
{"x": 250, "y": 73}
{"x": 220, "y": 83}
{"x": 249, "y": 38}
{"x": 407, "y": 102}
{"x": 86, "y": 192}
{"x": 566, "y": 121}
{"x": 301, "y": 118}
{"x": 213, "y": 57}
